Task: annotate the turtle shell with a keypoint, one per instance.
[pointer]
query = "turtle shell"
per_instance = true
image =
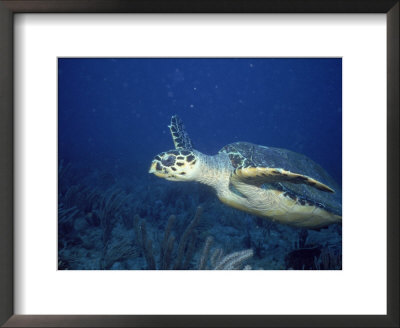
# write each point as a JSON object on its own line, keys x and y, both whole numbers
{"x": 250, "y": 155}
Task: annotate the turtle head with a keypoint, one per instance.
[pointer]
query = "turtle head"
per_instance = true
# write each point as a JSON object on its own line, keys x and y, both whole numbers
{"x": 175, "y": 165}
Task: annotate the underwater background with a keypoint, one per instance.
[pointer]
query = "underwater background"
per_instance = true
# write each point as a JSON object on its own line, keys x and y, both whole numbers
{"x": 113, "y": 116}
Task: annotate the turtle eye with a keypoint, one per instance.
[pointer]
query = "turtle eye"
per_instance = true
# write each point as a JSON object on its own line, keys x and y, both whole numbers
{"x": 168, "y": 160}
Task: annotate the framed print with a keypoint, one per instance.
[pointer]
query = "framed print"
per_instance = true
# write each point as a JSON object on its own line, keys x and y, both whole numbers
{"x": 199, "y": 164}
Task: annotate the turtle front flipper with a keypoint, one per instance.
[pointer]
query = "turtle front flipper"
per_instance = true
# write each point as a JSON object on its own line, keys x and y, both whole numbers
{"x": 260, "y": 175}
{"x": 179, "y": 135}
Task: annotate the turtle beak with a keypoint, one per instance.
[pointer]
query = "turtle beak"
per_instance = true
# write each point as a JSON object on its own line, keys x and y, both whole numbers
{"x": 153, "y": 167}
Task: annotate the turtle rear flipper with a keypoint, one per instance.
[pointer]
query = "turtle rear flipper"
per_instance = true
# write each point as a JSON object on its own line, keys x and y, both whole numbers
{"x": 260, "y": 175}
{"x": 179, "y": 135}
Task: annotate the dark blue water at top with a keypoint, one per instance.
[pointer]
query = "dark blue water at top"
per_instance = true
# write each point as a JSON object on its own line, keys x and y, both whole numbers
{"x": 114, "y": 112}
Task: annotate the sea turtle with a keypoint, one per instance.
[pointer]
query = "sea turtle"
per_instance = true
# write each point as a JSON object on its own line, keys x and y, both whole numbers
{"x": 267, "y": 182}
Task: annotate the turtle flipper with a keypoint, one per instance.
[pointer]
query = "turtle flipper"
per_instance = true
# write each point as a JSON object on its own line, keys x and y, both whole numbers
{"x": 260, "y": 175}
{"x": 179, "y": 135}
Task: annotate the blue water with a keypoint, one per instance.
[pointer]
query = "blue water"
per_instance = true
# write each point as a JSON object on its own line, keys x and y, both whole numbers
{"x": 112, "y": 120}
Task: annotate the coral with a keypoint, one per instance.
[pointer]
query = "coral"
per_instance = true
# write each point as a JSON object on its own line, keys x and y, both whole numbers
{"x": 185, "y": 250}
{"x": 186, "y": 244}
{"x": 234, "y": 260}
{"x": 182, "y": 257}
{"x": 113, "y": 253}
{"x": 205, "y": 253}
{"x": 329, "y": 259}
{"x": 302, "y": 258}
{"x": 109, "y": 206}
{"x": 66, "y": 218}
{"x": 313, "y": 251}
{"x": 167, "y": 244}
{"x": 147, "y": 247}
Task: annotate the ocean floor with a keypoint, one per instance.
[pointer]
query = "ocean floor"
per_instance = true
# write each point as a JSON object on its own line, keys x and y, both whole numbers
{"x": 117, "y": 221}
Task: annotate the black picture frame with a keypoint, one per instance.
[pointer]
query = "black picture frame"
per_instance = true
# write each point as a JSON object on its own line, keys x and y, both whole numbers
{"x": 10, "y": 7}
